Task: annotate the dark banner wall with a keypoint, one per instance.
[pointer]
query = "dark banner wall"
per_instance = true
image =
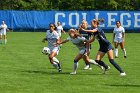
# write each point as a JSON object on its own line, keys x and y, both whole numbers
{"x": 130, "y": 20}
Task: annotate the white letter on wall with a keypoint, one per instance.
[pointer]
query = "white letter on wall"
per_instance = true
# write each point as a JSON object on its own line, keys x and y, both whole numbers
{"x": 137, "y": 20}
{"x": 110, "y": 19}
{"x": 122, "y": 19}
{"x": 56, "y": 18}
{"x": 70, "y": 19}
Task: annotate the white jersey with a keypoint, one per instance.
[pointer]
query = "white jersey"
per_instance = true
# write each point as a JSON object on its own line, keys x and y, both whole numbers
{"x": 59, "y": 29}
{"x": 79, "y": 42}
{"x": 3, "y": 28}
{"x": 52, "y": 37}
{"x": 118, "y": 32}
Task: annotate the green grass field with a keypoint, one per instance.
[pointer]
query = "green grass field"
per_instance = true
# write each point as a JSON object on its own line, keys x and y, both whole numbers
{"x": 24, "y": 69}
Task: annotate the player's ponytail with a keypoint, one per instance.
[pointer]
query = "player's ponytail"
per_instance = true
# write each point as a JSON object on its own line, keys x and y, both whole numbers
{"x": 98, "y": 21}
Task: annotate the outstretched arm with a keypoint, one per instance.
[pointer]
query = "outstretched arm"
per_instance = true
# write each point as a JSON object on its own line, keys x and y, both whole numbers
{"x": 63, "y": 31}
{"x": 94, "y": 30}
{"x": 62, "y": 42}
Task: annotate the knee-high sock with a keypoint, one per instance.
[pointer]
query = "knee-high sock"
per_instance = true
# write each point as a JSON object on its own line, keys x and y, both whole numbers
{"x": 55, "y": 65}
{"x": 102, "y": 64}
{"x": 116, "y": 65}
{"x": 93, "y": 62}
{"x": 75, "y": 65}
{"x": 55, "y": 60}
{"x": 116, "y": 52}
{"x": 124, "y": 51}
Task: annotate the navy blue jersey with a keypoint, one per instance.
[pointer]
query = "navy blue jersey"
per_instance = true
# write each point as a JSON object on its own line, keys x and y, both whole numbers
{"x": 87, "y": 35}
{"x": 105, "y": 45}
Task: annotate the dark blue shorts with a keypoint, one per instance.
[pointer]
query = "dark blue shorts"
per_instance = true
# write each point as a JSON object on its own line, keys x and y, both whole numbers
{"x": 106, "y": 48}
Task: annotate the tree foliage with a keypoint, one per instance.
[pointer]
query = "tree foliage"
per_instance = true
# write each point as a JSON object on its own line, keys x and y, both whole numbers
{"x": 70, "y": 5}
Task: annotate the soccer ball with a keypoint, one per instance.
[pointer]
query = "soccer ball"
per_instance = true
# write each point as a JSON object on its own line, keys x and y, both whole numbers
{"x": 46, "y": 51}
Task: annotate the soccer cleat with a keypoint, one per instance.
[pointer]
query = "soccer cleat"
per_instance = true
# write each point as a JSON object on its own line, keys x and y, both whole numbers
{"x": 116, "y": 56}
{"x": 59, "y": 70}
{"x": 59, "y": 67}
{"x": 102, "y": 68}
{"x": 123, "y": 74}
{"x": 104, "y": 71}
{"x": 125, "y": 57}
{"x": 87, "y": 67}
{"x": 73, "y": 73}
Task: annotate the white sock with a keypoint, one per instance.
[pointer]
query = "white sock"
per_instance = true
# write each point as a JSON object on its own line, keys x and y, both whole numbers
{"x": 55, "y": 65}
{"x": 5, "y": 41}
{"x": 116, "y": 52}
{"x": 93, "y": 62}
{"x": 75, "y": 66}
{"x": 55, "y": 59}
{"x": 124, "y": 52}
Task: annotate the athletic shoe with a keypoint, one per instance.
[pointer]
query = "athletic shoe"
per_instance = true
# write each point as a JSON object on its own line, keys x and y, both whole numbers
{"x": 125, "y": 57}
{"x": 102, "y": 68}
{"x": 123, "y": 74}
{"x": 116, "y": 56}
{"x": 87, "y": 67}
{"x": 59, "y": 67}
{"x": 104, "y": 71}
{"x": 60, "y": 70}
{"x": 73, "y": 73}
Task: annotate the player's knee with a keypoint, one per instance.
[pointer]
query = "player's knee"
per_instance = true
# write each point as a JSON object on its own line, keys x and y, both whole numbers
{"x": 50, "y": 57}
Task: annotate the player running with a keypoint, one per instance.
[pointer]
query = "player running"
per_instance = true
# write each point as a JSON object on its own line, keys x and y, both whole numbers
{"x": 119, "y": 38}
{"x": 83, "y": 46}
{"x": 53, "y": 37}
{"x": 59, "y": 29}
{"x": 105, "y": 46}
{"x": 3, "y": 28}
{"x": 87, "y": 35}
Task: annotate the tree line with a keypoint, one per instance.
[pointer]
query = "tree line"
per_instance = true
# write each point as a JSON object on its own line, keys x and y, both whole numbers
{"x": 70, "y": 5}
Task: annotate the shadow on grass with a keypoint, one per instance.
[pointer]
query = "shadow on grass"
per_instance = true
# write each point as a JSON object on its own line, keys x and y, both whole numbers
{"x": 60, "y": 73}
{"x": 125, "y": 85}
{"x": 44, "y": 72}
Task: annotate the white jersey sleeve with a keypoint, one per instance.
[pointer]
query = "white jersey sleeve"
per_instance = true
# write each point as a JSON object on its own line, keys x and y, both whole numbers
{"x": 123, "y": 30}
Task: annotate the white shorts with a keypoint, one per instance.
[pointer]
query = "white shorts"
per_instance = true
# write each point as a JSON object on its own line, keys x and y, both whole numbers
{"x": 54, "y": 49}
{"x": 118, "y": 40}
{"x": 2, "y": 32}
{"x": 59, "y": 34}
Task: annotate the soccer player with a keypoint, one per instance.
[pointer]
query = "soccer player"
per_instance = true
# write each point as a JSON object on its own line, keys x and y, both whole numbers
{"x": 105, "y": 46}
{"x": 87, "y": 35}
{"x": 53, "y": 37}
{"x": 82, "y": 45}
{"x": 119, "y": 38}
{"x": 3, "y": 28}
{"x": 59, "y": 29}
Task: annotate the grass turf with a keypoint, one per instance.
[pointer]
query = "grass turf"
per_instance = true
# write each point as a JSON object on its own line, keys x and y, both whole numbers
{"x": 24, "y": 69}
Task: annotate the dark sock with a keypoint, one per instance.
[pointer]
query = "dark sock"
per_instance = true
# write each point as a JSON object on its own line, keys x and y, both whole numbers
{"x": 102, "y": 64}
{"x": 116, "y": 65}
